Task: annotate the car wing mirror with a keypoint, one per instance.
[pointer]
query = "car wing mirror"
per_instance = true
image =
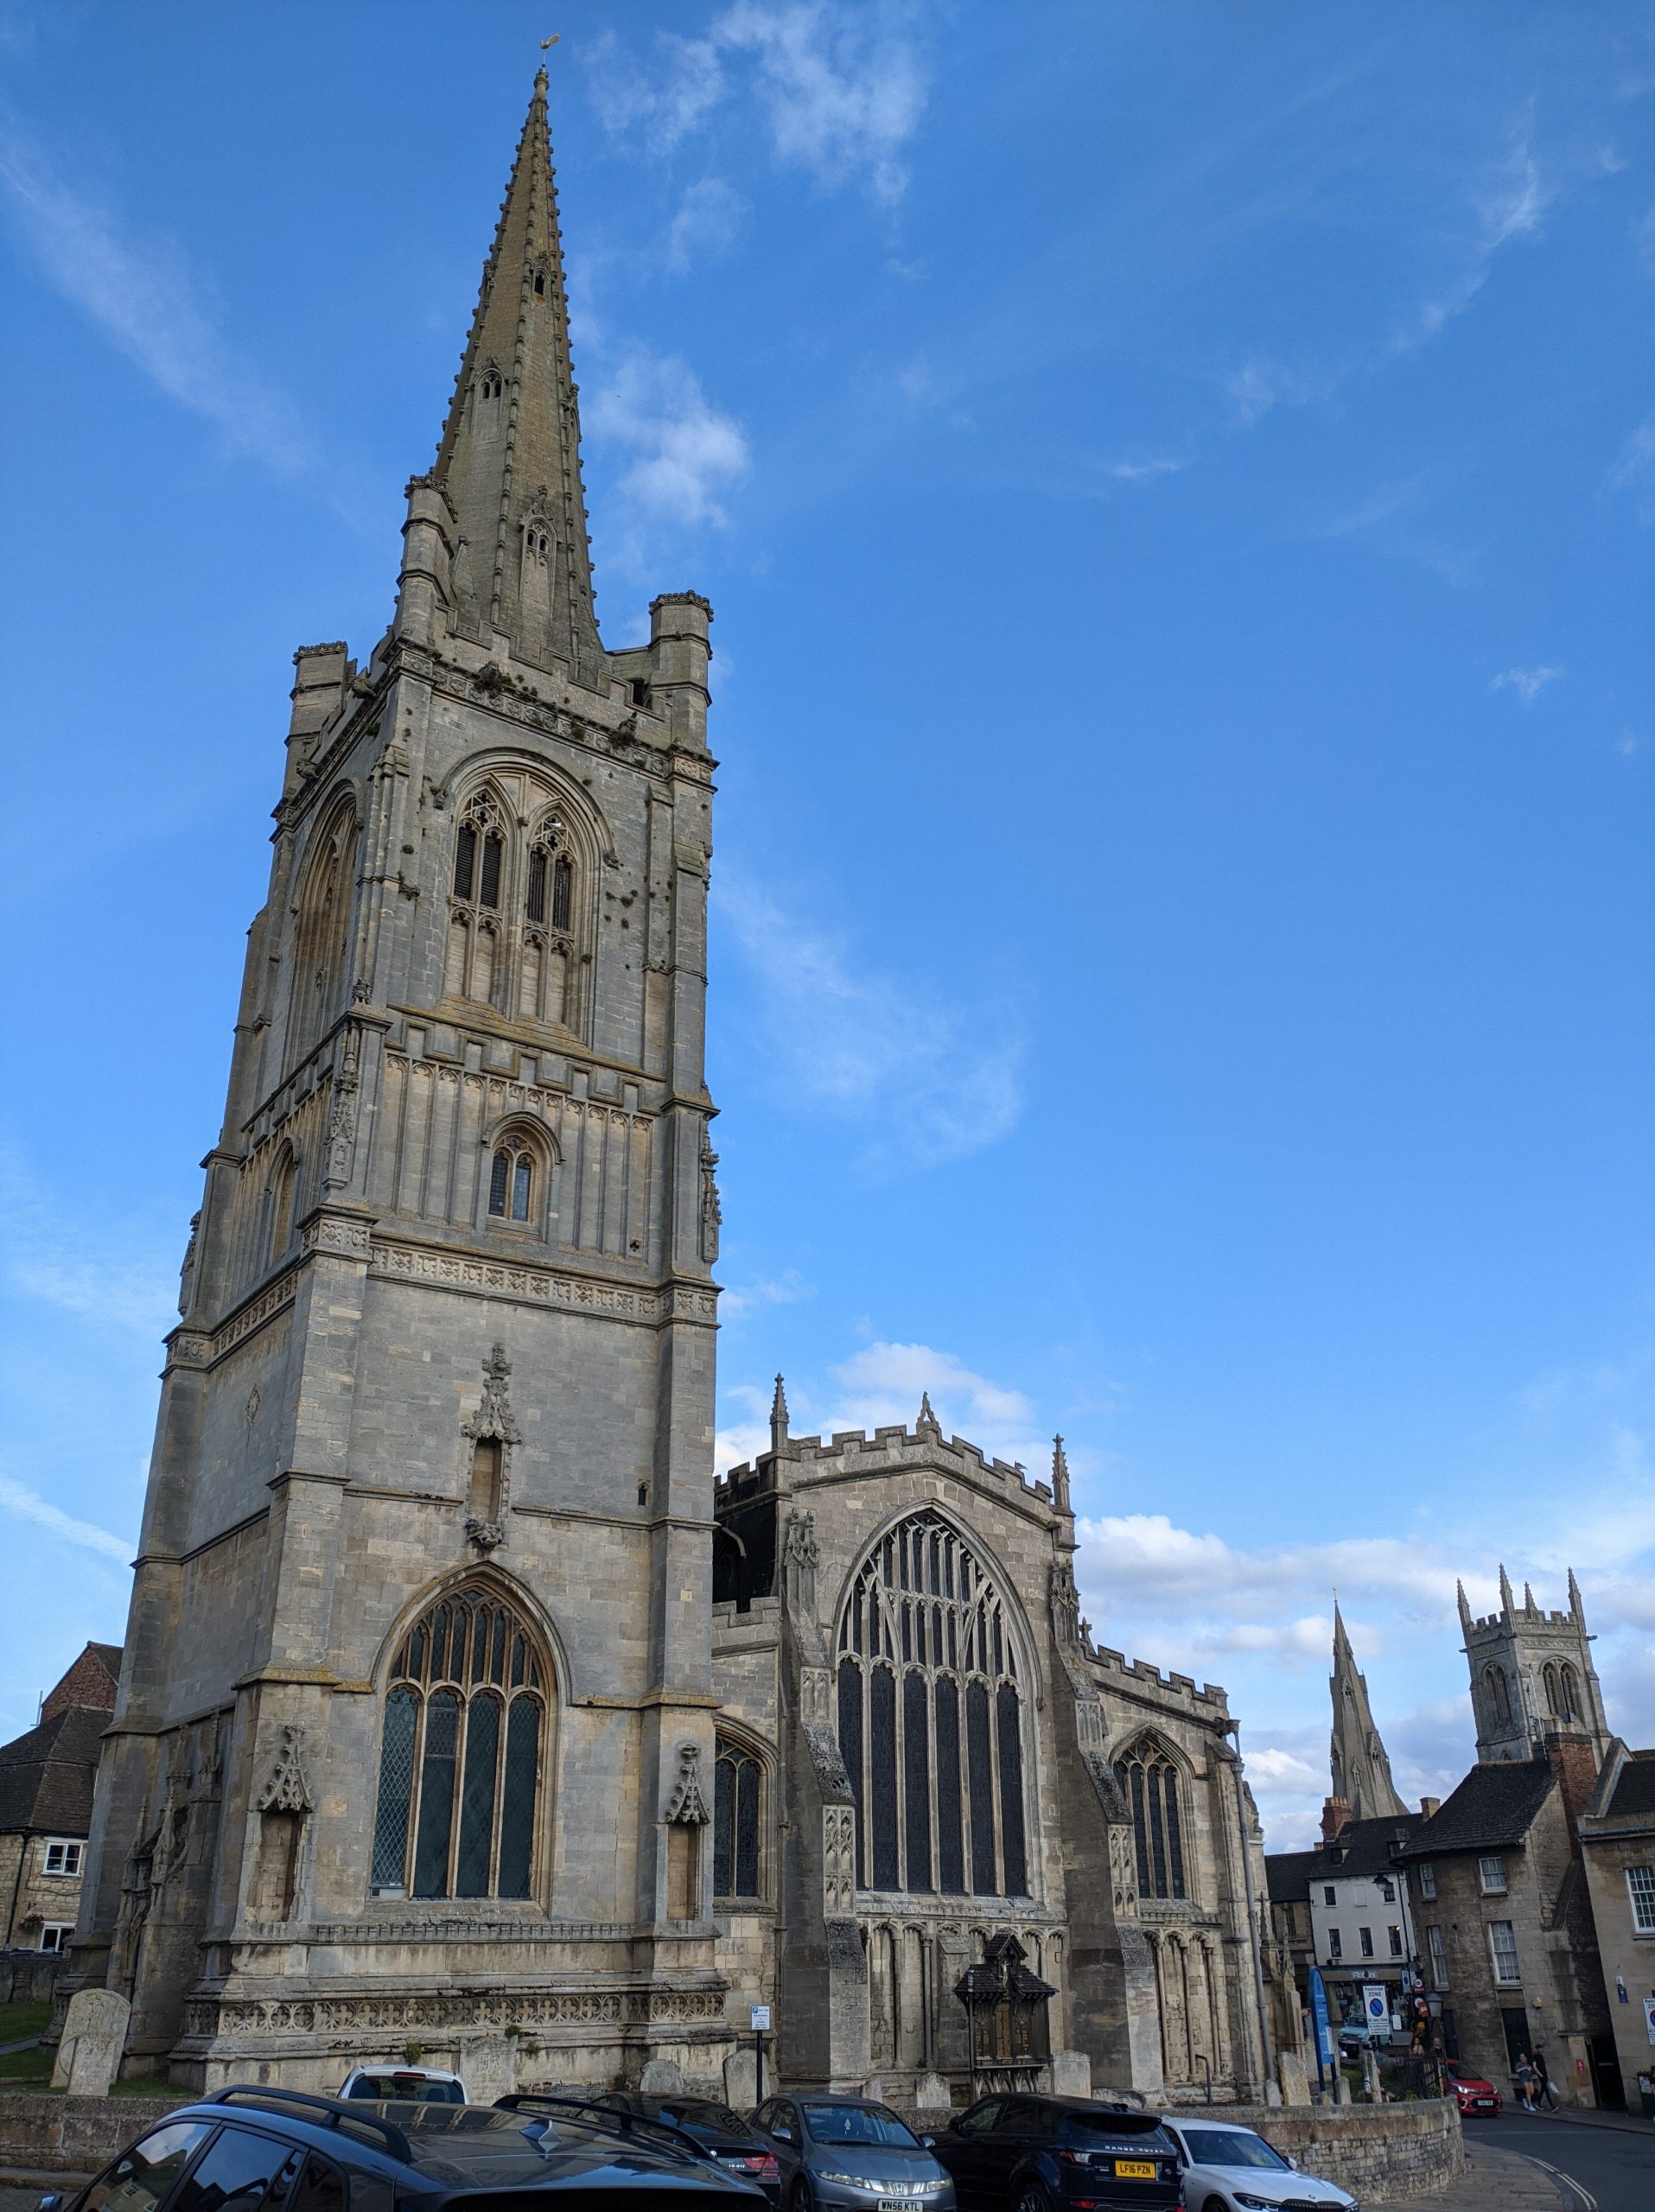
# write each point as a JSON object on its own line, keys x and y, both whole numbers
{"x": 929, "y": 2141}
{"x": 51, "y": 2200}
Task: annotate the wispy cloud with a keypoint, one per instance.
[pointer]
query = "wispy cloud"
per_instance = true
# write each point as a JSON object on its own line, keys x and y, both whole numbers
{"x": 49, "y": 1261}
{"x": 1527, "y": 683}
{"x": 1634, "y": 470}
{"x": 141, "y": 293}
{"x": 679, "y": 454}
{"x": 1263, "y": 383}
{"x": 743, "y": 1299}
{"x": 842, "y": 90}
{"x": 922, "y": 1081}
{"x": 1508, "y": 203}
{"x": 1149, "y": 468}
{"x": 709, "y": 216}
{"x": 17, "y": 1499}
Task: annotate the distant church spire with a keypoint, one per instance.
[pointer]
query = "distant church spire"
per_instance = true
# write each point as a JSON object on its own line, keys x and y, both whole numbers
{"x": 1361, "y": 1770}
{"x": 509, "y": 461}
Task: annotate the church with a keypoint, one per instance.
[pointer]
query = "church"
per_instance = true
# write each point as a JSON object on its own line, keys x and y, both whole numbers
{"x": 464, "y": 1715}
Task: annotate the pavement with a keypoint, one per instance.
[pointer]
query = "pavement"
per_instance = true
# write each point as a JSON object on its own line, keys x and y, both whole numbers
{"x": 1595, "y": 2162}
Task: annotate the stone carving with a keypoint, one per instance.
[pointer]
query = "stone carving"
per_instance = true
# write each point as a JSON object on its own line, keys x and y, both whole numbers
{"x": 1059, "y": 1476}
{"x": 687, "y": 1806}
{"x": 95, "y": 2037}
{"x": 187, "y": 1272}
{"x": 286, "y": 1792}
{"x": 1065, "y": 1602}
{"x": 829, "y": 1761}
{"x": 712, "y": 1213}
{"x": 799, "y": 1557}
{"x": 250, "y": 1410}
{"x": 493, "y": 1419}
{"x": 341, "y": 1113}
{"x": 927, "y": 1424}
{"x": 839, "y": 1860}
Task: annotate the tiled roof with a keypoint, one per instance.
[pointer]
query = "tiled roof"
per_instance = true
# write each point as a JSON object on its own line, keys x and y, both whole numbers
{"x": 1634, "y": 1790}
{"x": 45, "y": 1777}
{"x": 1496, "y": 1803}
{"x": 1361, "y": 1849}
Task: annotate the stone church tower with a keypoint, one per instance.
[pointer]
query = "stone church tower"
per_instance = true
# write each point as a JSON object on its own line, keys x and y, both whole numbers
{"x": 413, "y": 1740}
{"x": 1531, "y": 1674}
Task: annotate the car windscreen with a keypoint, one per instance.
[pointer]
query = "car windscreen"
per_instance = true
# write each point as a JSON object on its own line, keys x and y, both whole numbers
{"x": 1112, "y": 2123}
{"x": 698, "y": 2112}
{"x": 1231, "y": 2146}
{"x": 410, "y": 2089}
{"x": 857, "y": 2124}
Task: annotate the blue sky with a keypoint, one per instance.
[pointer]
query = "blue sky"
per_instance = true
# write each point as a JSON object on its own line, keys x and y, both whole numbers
{"x": 1177, "y": 487}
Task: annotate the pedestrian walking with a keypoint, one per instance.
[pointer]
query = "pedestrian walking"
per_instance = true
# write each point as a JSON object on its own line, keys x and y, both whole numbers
{"x": 1523, "y": 2074}
{"x": 1542, "y": 2080}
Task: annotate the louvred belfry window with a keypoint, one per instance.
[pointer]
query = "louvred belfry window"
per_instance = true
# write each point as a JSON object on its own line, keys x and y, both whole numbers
{"x": 548, "y": 906}
{"x": 474, "y": 966}
{"x": 462, "y": 1752}
{"x": 931, "y": 1718}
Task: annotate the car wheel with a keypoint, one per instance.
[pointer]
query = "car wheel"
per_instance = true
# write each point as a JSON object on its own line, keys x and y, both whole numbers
{"x": 798, "y": 2197}
{"x": 1032, "y": 2197}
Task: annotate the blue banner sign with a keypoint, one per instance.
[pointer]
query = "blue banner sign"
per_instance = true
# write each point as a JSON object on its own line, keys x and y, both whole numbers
{"x": 1318, "y": 2017}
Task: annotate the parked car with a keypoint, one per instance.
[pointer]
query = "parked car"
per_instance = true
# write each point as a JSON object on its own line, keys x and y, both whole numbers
{"x": 411, "y": 2085}
{"x": 718, "y": 2132}
{"x": 1043, "y": 2154}
{"x": 1228, "y": 2169}
{"x": 850, "y": 2152}
{"x": 259, "y": 2149}
{"x": 1471, "y": 2092}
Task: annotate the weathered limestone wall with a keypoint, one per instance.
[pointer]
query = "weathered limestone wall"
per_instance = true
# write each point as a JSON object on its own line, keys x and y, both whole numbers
{"x": 1382, "y": 2152}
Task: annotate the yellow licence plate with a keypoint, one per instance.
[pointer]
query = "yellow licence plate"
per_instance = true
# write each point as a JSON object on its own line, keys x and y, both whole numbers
{"x": 1135, "y": 2169}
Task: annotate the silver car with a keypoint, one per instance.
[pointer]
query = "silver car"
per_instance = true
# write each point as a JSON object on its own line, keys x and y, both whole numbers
{"x": 848, "y": 2152}
{"x": 1229, "y": 2169}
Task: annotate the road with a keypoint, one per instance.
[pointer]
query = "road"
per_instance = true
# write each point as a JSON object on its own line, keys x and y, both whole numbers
{"x": 1611, "y": 2168}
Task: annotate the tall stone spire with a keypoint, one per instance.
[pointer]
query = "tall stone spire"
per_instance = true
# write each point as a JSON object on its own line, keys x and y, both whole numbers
{"x": 509, "y": 461}
{"x": 1361, "y": 1772}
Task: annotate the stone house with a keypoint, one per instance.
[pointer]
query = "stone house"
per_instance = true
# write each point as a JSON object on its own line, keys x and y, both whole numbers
{"x": 1344, "y": 1907}
{"x": 460, "y": 1710}
{"x": 46, "y": 1792}
{"x": 1505, "y": 1924}
{"x": 1617, "y": 1840}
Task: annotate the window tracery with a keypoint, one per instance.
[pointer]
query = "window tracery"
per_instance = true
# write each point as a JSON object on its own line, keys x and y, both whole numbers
{"x": 931, "y": 1718}
{"x": 1149, "y": 1782}
{"x": 462, "y": 1752}
{"x": 738, "y": 1801}
{"x": 515, "y": 900}
{"x": 475, "y": 960}
{"x": 324, "y": 912}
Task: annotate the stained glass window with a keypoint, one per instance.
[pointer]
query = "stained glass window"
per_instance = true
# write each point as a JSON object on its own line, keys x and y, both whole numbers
{"x": 1149, "y": 1782}
{"x": 736, "y": 1806}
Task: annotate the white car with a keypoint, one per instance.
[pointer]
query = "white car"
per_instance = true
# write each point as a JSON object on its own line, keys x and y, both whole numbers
{"x": 408, "y": 2085}
{"x": 1229, "y": 2169}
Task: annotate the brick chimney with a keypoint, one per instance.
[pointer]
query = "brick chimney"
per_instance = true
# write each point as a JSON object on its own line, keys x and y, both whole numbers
{"x": 1574, "y": 1762}
{"x": 1335, "y": 1815}
{"x": 1430, "y": 1806}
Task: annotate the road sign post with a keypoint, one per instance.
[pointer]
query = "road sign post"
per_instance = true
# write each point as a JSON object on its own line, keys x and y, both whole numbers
{"x": 761, "y": 2019}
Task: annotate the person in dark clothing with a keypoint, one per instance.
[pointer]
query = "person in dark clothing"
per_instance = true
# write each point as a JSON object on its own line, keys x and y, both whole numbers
{"x": 1542, "y": 2080}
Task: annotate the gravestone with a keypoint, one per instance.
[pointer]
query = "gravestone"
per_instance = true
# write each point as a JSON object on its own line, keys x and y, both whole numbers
{"x": 488, "y": 2068}
{"x": 1295, "y": 2084}
{"x": 931, "y": 2094}
{"x": 661, "y": 2078}
{"x": 94, "y": 2036}
{"x": 742, "y": 2078}
{"x": 1071, "y": 2074}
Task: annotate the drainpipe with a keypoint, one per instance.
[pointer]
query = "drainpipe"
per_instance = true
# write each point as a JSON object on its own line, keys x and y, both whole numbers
{"x": 1234, "y": 1729}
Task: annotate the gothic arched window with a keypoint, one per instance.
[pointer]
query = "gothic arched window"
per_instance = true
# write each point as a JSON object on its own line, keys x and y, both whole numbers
{"x": 462, "y": 1753}
{"x": 544, "y": 971}
{"x": 931, "y": 1718}
{"x": 510, "y": 1183}
{"x": 1569, "y": 1707}
{"x": 1498, "y": 1696}
{"x": 738, "y": 1798}
{"x": 1549, "y": 1676}
{"x": 324, "y": 913}
{"x": 1149, "y": 1782}
{"x": 283, "y": 1177}
{"x": 475, "y": 960}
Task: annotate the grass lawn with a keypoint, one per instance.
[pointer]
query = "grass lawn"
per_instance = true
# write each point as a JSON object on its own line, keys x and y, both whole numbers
{"x": 17, "y": 2021}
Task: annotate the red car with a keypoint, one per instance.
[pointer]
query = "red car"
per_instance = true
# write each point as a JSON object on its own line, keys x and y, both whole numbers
{"x": 1471, "y": 2092}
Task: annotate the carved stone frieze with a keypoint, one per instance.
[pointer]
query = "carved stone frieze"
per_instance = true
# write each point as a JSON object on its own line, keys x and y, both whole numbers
{"x": 687, "y": 1806}
{"x": 539, "y": 1285}
{"x": 286, "y": 1790}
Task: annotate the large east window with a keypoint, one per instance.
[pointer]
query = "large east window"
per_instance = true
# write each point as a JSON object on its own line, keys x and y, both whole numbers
{"x": 931, "y": 1718}
{"x": 463, "y": 1750}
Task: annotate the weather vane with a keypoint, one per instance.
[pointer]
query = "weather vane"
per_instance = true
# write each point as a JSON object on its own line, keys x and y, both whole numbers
{"x": 546, "y": 43}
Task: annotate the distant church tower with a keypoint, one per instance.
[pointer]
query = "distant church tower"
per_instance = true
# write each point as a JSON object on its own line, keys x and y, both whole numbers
{"x": 415, "y": 1736}
{"x": 1362, "y": 1788}
{"x": 1531, "y": 1674}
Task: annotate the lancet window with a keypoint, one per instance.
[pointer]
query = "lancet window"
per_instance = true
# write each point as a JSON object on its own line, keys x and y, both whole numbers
{"x": 463, "y": 1750}
{"x": 324, "y": 913}
{"x": 476, "y": 963}
{"x": 1149, "y": 1782}
{"x": 931, "y": 1720}
{"x": 511, "y": 1183}
{"x": 738, "y": 1796}
{"x": 548, "y": 908}
{"x": 1497, "y": 1696}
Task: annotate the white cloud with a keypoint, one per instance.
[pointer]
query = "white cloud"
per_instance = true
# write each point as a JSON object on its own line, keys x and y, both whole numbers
{"x": 709, "y": 216}
{"x": 50, "y": 1262}
{"x": 1634, "y": 467}
{"x": 679, "y": 454}
{"x": 141, "y": 294}
{"x": 841, "y": 89}
{"x": 1510, "y": 203}
{"x": 1527, "y": 683}
{"x": 17, "y": 1498}
{"x": 741, "y": 1300}
{"x": 1149, "y": 467}
{"x": 926, "y": 1083}
{"x": 1262, "y": 384}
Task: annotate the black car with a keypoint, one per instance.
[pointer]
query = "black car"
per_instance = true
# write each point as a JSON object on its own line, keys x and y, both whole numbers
{"x": 258, "y": 2149}
{"x": 1047, "y": 2154}
{"x": 719, "y": 2133}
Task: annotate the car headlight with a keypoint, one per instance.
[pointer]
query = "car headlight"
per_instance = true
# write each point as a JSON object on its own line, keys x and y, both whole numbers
{"x": 850, "y": 2181}
{"x": 1257, "y": 2203}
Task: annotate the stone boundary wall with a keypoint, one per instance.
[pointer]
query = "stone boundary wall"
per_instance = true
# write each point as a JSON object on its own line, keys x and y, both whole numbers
{"x": 43, "y": 2134}
{"x": 1388, "y": 2153}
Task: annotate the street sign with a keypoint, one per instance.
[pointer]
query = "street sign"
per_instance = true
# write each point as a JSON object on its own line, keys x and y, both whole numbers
{"x": 761, "y": 2019}
{"x": 1649, "y": 2017}
{"x": 1376, "y": 2005}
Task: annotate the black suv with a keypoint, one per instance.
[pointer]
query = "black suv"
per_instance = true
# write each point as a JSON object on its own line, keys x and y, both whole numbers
{"x": 255, "y": 2150}
{"x": 1058, "y": 2154}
